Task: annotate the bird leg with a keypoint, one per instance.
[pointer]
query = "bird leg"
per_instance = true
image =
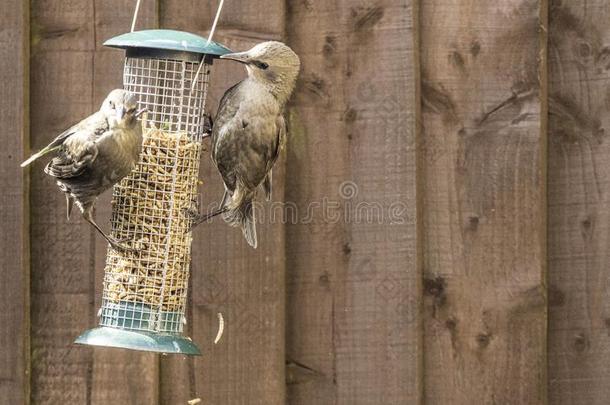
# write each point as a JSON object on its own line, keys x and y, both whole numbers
{"x": 116, "y": 244}
{"x": 69, "y": 205}
{"x": 197, "y": 218}
{"x": 267, "y": 185}
{"x": 225, "y": 199}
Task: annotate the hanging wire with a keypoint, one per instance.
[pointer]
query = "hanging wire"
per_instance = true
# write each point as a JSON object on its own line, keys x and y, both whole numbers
{"x": 222, "y": 2}
{"x": 135, "y": 16}
{"x": 215, "y": 22}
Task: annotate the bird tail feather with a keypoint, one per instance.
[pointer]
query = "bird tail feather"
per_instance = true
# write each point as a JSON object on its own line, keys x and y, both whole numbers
{"x": 69, "y": 205}
{"x": 248, "y": 228}
{"x": 36, "y": 155}
{"x": 240, "y": 212}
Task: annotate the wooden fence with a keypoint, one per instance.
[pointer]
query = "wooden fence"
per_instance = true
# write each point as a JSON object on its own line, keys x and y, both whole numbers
{"x": 444, "y": 236}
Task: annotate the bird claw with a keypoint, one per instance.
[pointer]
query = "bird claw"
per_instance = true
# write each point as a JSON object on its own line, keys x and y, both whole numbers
{"x": 207, "y": 126}
{"x": 197, "y": 218}
{"x": 120, "y": 245}
{"x": 192, "y": 215}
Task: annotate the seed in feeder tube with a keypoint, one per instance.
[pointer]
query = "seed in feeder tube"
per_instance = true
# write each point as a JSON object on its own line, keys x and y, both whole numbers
{"x": 144, "y": 206}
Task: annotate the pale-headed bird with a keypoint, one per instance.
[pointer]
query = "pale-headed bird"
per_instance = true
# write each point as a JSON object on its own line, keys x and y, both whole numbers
{"x": 249, "y": 131}
{"x": 93, "y": 155}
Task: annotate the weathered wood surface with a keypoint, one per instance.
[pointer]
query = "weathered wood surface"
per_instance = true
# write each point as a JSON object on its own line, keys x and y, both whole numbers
{"x": 361, "y": 214}
{"x": 579, "y": 206}
{"x": 71, "y": 74}
{"x": 118, "y": 376}
{"x": 62, "y": 252}
{"x": 484, "y": 205}
{"x": 245, "y": 285}
{"x": 14, "y": 216}
{"x": 353, "y": 275}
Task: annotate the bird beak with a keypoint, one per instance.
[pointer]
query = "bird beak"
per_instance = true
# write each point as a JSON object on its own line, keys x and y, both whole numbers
{"x": 120, "y": 112}
{"x": 242, "y": 57}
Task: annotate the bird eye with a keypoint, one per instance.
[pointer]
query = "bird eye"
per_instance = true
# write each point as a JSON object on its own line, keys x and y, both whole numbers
{"x": 261, "y": 65}
{"x": 111, "y": 104}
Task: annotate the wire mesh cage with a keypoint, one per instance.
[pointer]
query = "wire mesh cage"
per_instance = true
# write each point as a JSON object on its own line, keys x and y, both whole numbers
{"x": 148, "y": 205}
{"x": 145, "y": 289}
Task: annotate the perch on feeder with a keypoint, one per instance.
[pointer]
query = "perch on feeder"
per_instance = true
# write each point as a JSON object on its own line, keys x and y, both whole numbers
{"x": 144, "y": 297}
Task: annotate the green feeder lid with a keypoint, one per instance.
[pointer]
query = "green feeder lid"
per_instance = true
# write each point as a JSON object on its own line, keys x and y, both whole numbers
{"x": 138, "y": 340}
{"x": 169, "y": 40}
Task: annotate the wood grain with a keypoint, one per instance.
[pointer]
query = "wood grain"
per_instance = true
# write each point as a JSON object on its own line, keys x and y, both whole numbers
{"x": 483, "y": 90}
{"x": 118, "y": 376}
{"x": 370, "y": 207}
{"x": 14, "y": 215}
{"x": 61, "y": 251}
{"x": 245, "y": 285}
{"x": 579, "y": 208}
{"x": 353, "y": 331}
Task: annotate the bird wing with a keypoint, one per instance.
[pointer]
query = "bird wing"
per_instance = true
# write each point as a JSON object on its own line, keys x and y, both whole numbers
{"x": 78, "y": 149}
{"x": 95, "y": 123}
{"x": 226, "y": 111}
{"x": 280, "y": 144}
{"x": 227, "y": 96}
{"x": 245, "y": 143}
{"x": 57, "y": 143}
{"x": 66, "y": 165}
{"x": 245, "y": 149}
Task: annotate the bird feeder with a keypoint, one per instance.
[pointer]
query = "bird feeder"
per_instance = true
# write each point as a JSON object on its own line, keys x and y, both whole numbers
{"x": 145, "y": 289}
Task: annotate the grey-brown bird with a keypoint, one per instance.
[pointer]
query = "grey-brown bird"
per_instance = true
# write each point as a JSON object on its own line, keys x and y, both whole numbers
{"x": 93, "y": 155}
{"x": 249, "y": 131}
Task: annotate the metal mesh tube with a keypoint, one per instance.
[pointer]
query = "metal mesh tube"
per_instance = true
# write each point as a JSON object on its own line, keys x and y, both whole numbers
{"x": 146, "y": 289}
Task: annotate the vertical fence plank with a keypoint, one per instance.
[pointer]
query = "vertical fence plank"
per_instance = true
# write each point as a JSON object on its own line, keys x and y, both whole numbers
{"x": 14, "y": 260}
{"x": 118, "y": 376}
{"x": 316, "y": 164}
{"x": 484, "y": 197}
{"x": 353, "y": 325}
{"x": 61, "y": 251}
{"x": 579, "y": 207}
{"x": 245, "y": 285}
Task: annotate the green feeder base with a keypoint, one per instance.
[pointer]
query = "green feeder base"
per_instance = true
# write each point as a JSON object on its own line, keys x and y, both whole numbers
{"x": 145, "y": 341}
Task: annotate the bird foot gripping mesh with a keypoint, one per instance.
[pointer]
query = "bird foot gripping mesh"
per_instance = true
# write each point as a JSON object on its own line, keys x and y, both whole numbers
{"x": 145, "y": 289}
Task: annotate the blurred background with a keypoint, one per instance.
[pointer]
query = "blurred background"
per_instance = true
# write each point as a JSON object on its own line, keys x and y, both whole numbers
{"x": 439, "y": 231}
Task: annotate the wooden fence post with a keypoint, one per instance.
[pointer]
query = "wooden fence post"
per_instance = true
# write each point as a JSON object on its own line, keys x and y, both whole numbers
{"x": 118, "y": 376}
{"x": 245, "y": 285}
{"x": 579, "y": 208}
{"x": 484, "y": 130}
{"x": 353, "y": 323}
{"x": 61, "y": 252}
{"x": 14, "y": 200}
